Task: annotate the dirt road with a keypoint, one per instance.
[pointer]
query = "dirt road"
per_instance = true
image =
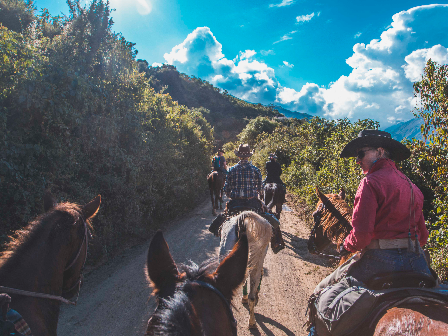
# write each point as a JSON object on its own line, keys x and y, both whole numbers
{"x": 115, "y": 299}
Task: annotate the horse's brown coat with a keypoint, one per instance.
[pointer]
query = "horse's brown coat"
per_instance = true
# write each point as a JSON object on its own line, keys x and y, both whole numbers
{"x": 37, "y": 256}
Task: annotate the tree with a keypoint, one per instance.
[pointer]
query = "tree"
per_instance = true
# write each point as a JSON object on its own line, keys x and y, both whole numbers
{"x": 432, "y": 159}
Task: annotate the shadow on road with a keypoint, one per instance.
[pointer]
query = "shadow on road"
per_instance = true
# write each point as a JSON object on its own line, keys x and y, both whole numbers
{"x": 263, "y": 321}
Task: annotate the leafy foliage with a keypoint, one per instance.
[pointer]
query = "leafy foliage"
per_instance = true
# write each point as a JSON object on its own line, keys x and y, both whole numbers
{"x": 431, "y": 160}
{"x": 226, "y": 113}
{"x": 78, "y": 118}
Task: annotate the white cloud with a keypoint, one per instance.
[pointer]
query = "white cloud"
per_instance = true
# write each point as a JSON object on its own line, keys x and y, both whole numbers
{"x": 288, "y": 64}
{"x": 267, "y": 52}
{"x": 286, "y": 37}
{"x": 358, "y": 34}
{"x": 283, "y": 3}
{"x": 305, "y": 18}
{"x": 155, "y": 64}
{"x": 379, "y": 85}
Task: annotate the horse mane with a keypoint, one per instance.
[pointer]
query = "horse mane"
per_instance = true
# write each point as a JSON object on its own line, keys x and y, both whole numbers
{"x": 174, "y": 318}
{"x": 48, "y": 224}
{"x": 334, "y": 228}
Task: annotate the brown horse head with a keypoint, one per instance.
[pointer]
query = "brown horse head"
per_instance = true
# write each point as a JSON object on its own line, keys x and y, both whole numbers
{"x": 195, "y": 299}
{"x": 332, "y": 220}
{"x": 47, "y": 257}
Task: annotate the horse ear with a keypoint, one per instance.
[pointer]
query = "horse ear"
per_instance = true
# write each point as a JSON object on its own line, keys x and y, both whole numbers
{"x": 90, "y": 209}
{"x": 232, "y": 270}
{"x": 162, "y": 269}
{"x": 319, "y": 194}
{"x": 342, "y": 193}
{"x": 49, "y": 201}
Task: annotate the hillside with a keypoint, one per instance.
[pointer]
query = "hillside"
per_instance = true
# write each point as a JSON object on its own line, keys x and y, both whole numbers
{"x": 226, "y": 113}
{"x": 292, "y": 114}
{"x": 408, "y": 129}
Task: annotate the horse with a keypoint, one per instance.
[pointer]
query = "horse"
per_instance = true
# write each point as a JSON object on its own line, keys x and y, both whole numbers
{"x": 194, "y": 300}
{"x": 259, "y": 232}
{"x": 274, "y": 196}
{"x": 216, "y": 181}
{"x": 332, "y": 220}
{"x": 42, "y": 265}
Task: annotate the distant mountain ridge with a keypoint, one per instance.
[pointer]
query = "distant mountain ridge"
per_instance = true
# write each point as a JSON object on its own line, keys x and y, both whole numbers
{"x": 408, "y": 129}
{"x": 292, "y": 114}
{"x": 226, "y": 113}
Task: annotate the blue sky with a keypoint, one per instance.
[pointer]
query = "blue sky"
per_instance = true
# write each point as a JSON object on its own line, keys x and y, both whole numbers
{"x": 331, "y": 59}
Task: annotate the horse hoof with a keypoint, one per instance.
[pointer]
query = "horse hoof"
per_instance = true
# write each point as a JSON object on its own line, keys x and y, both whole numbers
{"x": 245, "y": 299}
{"x": 253, "y": 326}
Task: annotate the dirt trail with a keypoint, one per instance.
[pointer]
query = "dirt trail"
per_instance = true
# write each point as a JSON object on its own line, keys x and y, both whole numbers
{"x": 115, "y": 298}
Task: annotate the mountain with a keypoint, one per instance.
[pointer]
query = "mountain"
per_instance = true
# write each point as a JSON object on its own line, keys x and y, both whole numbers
{"x": 292, "y": 114}
{"x": 226, "y": 113}
{"x": 408, "y": 129}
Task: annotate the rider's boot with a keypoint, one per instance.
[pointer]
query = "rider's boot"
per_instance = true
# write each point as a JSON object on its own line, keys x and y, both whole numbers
{"x": 277, "y": 242}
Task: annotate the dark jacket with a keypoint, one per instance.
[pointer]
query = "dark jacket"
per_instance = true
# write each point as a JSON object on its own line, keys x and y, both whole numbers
{"x": 273, "y": 170}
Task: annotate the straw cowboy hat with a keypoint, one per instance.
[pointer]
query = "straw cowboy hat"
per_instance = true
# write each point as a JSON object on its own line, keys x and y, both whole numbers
{"x": 243, "y": 151}
{"x": 376, "y": 138}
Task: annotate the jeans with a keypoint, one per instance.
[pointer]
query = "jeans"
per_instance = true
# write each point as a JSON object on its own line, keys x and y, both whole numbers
{"x": 375, "y": 262}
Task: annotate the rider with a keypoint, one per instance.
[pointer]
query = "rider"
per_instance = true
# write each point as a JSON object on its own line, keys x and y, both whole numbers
{"x": 243, "y": 185}
{"x": 273, "y": 171}
{"x": 388, "y": 223}
{"x": 219, "y": 162}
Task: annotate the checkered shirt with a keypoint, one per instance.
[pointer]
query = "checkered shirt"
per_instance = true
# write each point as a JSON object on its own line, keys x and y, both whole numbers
{"x": 243, "y": 180}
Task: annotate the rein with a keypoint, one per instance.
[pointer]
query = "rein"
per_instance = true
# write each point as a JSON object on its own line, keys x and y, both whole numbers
{"x": 56, "y": 297}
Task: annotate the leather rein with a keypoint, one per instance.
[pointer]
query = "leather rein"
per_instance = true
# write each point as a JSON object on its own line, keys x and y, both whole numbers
{"x": 217, "y": 292}
{"x": 77, "y": 284}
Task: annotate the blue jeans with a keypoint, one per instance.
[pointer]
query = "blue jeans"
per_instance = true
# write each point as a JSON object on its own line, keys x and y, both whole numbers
{"x": 375, "y": 262}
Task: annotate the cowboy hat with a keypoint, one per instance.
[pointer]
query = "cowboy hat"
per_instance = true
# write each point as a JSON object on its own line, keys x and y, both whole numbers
{"x": 243, "y": 151}
{"x": 376, "y": 138}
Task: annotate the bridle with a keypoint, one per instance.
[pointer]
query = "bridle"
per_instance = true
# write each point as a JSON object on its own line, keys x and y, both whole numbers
{"x": 65, "y": 292}
{"x": 217, "y": 292}
{"x": 226, "y": 302}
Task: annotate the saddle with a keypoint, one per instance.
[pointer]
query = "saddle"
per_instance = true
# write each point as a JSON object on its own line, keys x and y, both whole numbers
{"x": 402, "y": 279}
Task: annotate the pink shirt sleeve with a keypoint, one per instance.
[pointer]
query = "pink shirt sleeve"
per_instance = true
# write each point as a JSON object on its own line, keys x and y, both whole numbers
{"x": 363, "y": 221}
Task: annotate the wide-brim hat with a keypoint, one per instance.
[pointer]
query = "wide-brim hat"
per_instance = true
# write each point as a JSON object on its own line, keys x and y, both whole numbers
{"x": 376, "y": 138}
{"x": 243, "y": 151}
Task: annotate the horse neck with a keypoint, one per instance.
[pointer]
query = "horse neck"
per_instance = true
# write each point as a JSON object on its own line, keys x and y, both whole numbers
{"x": 37, "y": 268}
{"x": 212, "y": 313}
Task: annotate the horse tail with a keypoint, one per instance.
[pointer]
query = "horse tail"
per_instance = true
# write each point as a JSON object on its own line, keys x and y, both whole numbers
{"x": 259, "y": 232}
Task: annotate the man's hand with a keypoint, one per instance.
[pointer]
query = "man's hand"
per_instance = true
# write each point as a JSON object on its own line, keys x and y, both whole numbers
{"x": 342, "y": 251}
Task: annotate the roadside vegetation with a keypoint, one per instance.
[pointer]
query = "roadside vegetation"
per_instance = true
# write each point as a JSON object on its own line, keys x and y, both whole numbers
{"x": 308, "y": 151}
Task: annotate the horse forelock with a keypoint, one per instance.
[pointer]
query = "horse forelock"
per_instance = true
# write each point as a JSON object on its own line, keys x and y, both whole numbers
{"x": 336, "y": 230}
{"x": 51, "y": 224}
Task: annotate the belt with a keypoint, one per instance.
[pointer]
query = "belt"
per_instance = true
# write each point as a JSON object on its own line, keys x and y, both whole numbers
{"x": 385, "y": 244}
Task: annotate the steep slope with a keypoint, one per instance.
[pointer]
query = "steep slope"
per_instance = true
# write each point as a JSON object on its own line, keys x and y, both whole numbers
{"x": 408, "y": 129}
{"x": 226, "y": 113}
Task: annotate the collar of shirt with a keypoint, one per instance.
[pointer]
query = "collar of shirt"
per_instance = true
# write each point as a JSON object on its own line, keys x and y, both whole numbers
{"x": 381, "y": 163}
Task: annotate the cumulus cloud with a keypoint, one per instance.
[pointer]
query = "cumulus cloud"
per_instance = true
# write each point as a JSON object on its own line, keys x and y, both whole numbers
{"x": 286, "y": 37}
{"x": 289, "y": 65}
{"x": 200, "y": 54}
{"x": 283, "y": 3}
{"x": 383, "y": 71}
{"x": 379, "y": 85}
{"x": 304, "y": 18}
